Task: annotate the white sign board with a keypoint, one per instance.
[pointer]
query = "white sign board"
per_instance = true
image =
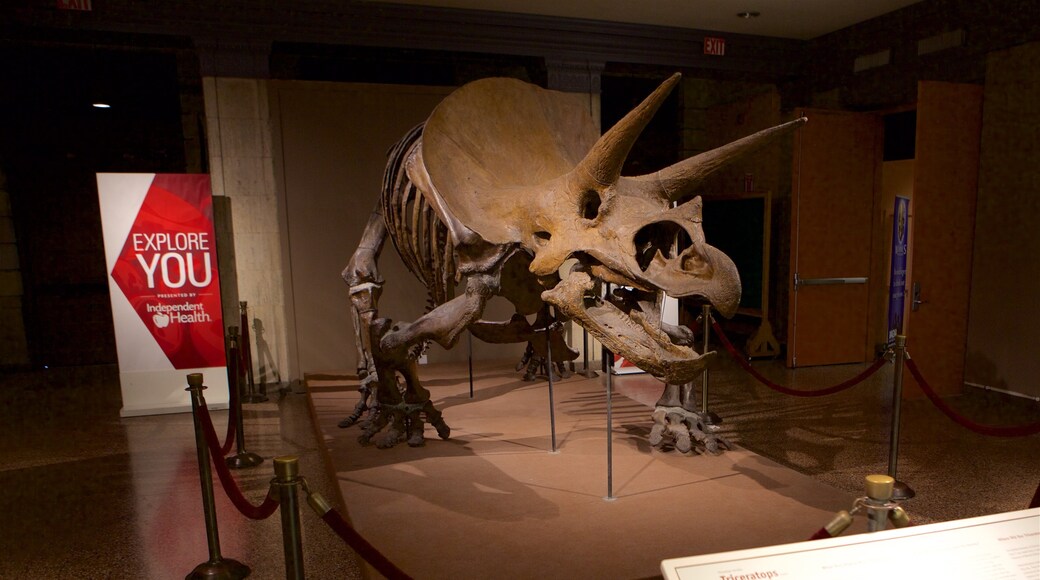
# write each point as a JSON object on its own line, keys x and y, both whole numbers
{"x": 163, "y": 285}
{"x": 1002, "y": 546}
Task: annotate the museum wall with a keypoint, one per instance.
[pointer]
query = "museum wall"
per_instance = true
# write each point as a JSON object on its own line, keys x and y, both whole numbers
{"x": 1005, "y": 282}
{"x": 239, "y": 135}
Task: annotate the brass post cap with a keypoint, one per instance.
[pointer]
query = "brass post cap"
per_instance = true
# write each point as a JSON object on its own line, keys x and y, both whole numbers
{"x": 242, "y": 303}
{"x": 287, "y": 467}
{"x": 900, "y": 340}
{"x": 879, "y": 487}
{"x": 195, "y": 380}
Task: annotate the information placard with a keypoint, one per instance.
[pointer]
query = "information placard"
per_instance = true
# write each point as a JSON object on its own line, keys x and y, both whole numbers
{"x": 1003, "y": 546}
{"x": 165, "y": 292}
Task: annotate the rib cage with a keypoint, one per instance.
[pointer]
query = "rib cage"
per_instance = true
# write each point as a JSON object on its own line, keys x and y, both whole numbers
{"x": 420, "y": 237}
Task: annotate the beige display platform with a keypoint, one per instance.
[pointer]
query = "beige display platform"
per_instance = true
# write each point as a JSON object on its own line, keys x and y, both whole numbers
{"x": 493, "y": 502}
{"x": 1002, "y": 546}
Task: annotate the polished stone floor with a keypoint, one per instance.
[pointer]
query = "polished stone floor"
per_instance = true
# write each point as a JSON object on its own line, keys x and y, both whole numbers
{"x": 90, "y": 495}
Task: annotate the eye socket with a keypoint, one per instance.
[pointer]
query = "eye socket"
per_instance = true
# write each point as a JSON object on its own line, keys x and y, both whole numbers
{"x": 542, "y": 236}
{"x": 589, "y": 205}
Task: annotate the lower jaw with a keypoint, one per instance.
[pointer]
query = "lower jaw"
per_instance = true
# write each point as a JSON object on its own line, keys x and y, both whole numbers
{"x": 617, "y": 331}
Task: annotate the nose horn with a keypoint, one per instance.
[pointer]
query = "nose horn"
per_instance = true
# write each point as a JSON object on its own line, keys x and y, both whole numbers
{"x": 603, "y": 162}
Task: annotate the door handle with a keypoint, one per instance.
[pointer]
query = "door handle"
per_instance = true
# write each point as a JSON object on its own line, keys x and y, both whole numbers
{"x": 799, "y": 281}
{"x": 915, "y": 297}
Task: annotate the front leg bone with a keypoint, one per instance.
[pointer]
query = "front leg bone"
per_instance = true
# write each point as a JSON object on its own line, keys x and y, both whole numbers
{"x": 395, "y": 349}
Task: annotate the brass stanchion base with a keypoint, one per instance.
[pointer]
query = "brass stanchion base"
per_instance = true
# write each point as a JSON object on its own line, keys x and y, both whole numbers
{"x": 222, "y": 569}
{"x": 589, "y": 373}
{"x": 254, "y": 398}
{"x": 243, "y": 460}
{"x": 901, "y": 491}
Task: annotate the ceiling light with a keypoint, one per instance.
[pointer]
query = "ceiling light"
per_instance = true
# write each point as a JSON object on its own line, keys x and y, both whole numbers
{"x": 102, "y": 106}
{"x": 747, "y": 15}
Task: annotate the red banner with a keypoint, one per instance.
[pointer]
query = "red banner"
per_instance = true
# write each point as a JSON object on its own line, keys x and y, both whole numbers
{"x": 167, "y": 270}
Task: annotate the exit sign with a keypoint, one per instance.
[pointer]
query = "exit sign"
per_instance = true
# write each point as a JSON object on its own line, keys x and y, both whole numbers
{"x": 714, "y": 46}
{"x": 83, "y": 5}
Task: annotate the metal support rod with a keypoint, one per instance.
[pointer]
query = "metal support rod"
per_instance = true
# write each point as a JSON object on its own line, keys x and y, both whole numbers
{"x": 610, "y": 428}
{"x": 471, "y": 365}
{"x": 706, "y": 316}
{"x": 217, "y": 566}
{"x": 287, "y": 480}
{"x": 585, "y": 349}
{"x": 901, "y": 490}
{"x": 552, "y": 403}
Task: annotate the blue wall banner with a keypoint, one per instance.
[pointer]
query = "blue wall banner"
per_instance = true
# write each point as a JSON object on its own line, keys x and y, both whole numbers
{"x": 897, "y": 287}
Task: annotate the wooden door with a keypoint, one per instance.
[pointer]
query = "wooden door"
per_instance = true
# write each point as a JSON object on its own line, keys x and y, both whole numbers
{"x": 949, "y": 122}
{"x": 836, "y": 164}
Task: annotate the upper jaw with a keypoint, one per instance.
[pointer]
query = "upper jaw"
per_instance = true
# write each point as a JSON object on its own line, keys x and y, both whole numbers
{"x": 700, "y": 270}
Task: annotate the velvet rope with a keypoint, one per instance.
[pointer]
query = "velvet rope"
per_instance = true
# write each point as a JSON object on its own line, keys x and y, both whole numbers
{"x": 1009, "y": 431}
{"x": 360, "y": 545}
{"x": 259, "y": 512}
{"x": 820, "y": 534}
{"x": 786, "y": 390}
{"x": 233, "y": 407}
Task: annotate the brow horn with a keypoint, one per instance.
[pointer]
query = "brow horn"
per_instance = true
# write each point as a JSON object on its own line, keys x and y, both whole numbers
{"x": 675, "y": 180}
{"x": 603, "y": 162}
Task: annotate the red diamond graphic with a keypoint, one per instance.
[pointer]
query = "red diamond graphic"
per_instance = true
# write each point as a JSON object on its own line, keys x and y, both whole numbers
{"x": 168, "y": 271}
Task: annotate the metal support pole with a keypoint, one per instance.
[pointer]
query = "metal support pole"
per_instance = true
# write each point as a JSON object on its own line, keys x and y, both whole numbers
{"x": 709, "y": 417}
{"x": 610, "y": 428}
{"x": 879, "y": 492}
{"x": 471, "y": 365}
{"x": 552, "y": 403}
{"x": 217, "y": 566}
{"x": 287, "y": 480}
{"x": 900, "y": 490}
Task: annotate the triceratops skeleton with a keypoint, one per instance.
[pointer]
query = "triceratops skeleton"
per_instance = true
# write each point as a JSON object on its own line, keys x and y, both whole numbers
{"x": 500, "y": 186}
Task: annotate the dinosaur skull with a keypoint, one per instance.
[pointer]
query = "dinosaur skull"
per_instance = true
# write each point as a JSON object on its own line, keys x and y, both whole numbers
{"x": 529, "y": 173}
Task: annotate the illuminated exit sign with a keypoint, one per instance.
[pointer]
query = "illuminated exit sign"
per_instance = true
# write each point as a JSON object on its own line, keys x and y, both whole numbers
{"x": 714, "y": 46}
{"x": 83, "y": 5}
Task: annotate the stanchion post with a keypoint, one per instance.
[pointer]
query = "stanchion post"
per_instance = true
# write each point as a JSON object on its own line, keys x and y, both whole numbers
{"x": 242, "y": 458}
{"x": 287, "y": 481}
{"x": 901, "y": 490}
{"x": 217, "y": 566}
{"x": 247, "y": 359}
{"x": 610, "y": 427}
{"x": 234, "y": 370}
